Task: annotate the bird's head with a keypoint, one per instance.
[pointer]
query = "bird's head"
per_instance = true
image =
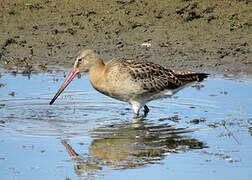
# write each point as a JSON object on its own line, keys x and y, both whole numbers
{"x": 84, "y": 60}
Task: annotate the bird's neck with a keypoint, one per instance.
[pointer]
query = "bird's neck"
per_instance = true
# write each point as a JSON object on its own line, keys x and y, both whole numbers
{"x": 96, "y": 74}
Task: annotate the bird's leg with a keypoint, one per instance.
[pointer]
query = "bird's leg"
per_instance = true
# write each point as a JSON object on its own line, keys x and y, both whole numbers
{"x": 136, "y": 116}
{"x": 146, "y": 110}
{"x": 136, "y": 107}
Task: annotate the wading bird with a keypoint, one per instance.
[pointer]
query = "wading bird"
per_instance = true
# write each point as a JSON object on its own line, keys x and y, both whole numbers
{"x": 130, "y": 80}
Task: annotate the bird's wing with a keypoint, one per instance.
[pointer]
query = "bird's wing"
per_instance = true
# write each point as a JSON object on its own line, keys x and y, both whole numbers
{"x": 151, "y": 77}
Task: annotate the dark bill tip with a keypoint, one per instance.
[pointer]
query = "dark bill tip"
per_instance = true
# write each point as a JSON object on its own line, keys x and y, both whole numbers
{"x": 70, "y": 77}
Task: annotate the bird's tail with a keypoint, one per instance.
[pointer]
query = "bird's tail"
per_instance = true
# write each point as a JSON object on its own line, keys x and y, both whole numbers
{"x": 188, "y": 77}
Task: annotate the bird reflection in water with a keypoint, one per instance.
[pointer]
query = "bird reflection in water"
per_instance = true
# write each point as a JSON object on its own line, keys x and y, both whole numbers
{"x": 132, "y": 145}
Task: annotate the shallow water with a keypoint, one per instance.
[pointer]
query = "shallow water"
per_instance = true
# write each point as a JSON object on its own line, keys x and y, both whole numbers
{"x": 203, "y": 132}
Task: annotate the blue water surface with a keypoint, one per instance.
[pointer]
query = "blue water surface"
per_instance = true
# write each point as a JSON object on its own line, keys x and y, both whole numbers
{"x": 203, "y": 132}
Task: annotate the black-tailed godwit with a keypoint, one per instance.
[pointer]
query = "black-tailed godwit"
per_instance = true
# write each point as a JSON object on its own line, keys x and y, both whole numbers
{"x": 130, "y": 80}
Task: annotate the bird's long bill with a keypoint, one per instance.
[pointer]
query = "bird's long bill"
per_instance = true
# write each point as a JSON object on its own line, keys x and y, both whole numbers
{"x": 70, "y": 77}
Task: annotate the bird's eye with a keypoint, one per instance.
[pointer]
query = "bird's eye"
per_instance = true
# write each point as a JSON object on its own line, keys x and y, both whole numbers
{"x": 79, "y": 60}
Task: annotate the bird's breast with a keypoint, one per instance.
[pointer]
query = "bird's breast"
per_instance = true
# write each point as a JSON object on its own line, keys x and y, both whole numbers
{"x": 117, "y": 85}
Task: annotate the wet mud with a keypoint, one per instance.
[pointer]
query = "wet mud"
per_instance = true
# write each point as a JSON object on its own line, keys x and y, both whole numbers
{"x": 44, "y": 35}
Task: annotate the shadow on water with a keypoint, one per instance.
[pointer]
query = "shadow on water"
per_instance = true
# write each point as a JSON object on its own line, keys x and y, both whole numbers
{"x": 199, "y": 130}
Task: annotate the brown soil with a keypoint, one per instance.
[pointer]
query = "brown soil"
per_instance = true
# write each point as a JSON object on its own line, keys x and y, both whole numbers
{"x": 44, "y": 35}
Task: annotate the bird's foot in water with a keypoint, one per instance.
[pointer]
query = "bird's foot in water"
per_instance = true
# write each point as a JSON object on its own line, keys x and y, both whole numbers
{"x": 146, "y": 110}
{"x": 141, "y": 117}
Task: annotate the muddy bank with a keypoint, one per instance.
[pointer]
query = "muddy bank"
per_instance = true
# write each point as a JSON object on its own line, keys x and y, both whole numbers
{"x": 211, "y": 36}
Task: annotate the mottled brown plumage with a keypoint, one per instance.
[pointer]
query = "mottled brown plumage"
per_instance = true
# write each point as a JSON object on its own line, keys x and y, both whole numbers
{"x": 131, "y": 80}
